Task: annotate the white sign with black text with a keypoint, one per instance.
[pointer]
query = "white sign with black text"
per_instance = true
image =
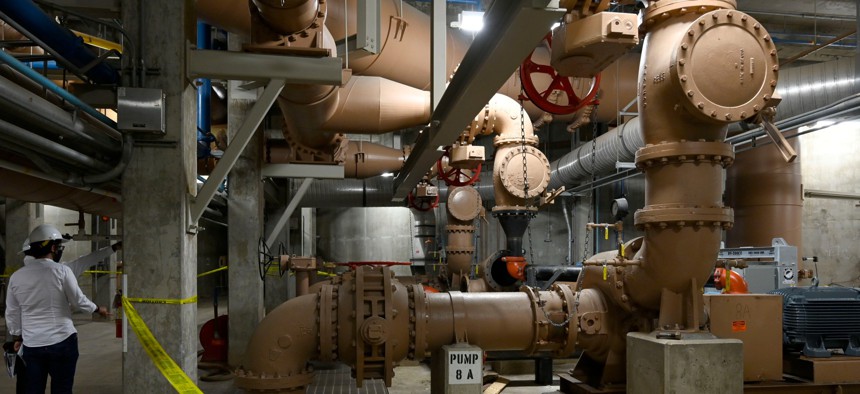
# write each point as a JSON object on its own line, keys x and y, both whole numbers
{"x": 464, "y": 367}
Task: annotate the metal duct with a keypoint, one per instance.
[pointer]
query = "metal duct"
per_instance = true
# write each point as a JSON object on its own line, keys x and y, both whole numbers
{"x": 619, "y": 144}
{"x": 370, "y": 192}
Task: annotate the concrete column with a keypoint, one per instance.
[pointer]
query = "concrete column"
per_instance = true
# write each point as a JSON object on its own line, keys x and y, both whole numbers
{"x": 245, "y": 218}
{"x": 160, "y": 255}
{"x": 21, "y": 217}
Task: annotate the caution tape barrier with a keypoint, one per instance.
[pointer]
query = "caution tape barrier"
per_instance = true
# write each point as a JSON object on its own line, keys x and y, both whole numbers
{"x": 177, "y": 378}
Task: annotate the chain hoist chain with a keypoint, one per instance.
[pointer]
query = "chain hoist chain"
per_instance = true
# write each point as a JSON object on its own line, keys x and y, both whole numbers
{"x": 594, "y": 130}
{"x": 541, "y": 304}
{"x": 525, "y": 169}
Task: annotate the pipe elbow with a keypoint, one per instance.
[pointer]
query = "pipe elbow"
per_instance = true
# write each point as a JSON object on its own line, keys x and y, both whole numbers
{"x": 282, "y": 345}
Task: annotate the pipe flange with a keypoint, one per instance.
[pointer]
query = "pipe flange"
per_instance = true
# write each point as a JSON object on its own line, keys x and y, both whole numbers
{"x": 684, "y": 151}
{"x": 511, "y": 172}
{"x": 665, "y": 10}
{"x": 663, "y": 216}
{"x": 464, "y": 203}
{"x": 727, "y": 66}
{"x": 456, "y": 228}
{"x": 417, "y": 322}
{"x": 569, "y": 304}
{"x": 249, "y": 381}
{"x": 328, "y": 323}
{"x": 500, "y": 141}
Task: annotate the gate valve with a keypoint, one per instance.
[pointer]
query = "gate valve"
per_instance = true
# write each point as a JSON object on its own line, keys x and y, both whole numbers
{"x": 561, "y": 83}
{"x": 456, "y": 176}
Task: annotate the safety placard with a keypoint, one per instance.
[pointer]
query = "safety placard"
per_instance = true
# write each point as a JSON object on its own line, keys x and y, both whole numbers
{"x": 464, "y": 367}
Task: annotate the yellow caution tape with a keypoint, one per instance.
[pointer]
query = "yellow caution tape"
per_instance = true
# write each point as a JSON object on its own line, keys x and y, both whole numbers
{"x": 95, "y": 272}
{"x": 5, "y": 275}
{"x": 219, "y": 269}
{"x": 606, "y": 233}
{"x": 173, "y": 301}
{"x": 177, "y": 378}
{"x": 323, "y": 273}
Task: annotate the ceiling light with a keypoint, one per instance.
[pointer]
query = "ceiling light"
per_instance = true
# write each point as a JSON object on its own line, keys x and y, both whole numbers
{"x": 470, "y": 21}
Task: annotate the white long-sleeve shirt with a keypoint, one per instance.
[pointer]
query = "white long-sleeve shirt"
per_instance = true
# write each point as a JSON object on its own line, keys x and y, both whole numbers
{"x": 38, "y": 299}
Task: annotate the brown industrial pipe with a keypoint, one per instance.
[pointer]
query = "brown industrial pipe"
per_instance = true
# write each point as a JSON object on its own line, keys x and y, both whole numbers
{"x": 767, "y": 195}
{"x": 289, "y": 16}
{"x": 371, "y": 321}
{"x": 362, "y": 159}
{"x": 464, "y": 206}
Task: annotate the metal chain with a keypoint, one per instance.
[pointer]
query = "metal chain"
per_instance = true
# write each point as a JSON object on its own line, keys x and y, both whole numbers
{"x": 594, "y": 130}
{"x": 541, "y": 304}
{"x": 525, "y": 169}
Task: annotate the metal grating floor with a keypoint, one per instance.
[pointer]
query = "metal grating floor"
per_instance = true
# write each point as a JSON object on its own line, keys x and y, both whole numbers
{"x": 338, "y": 381}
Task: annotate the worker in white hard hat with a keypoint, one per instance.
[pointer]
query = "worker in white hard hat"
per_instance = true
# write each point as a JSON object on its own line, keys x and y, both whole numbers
{"x": 39, "y": 317}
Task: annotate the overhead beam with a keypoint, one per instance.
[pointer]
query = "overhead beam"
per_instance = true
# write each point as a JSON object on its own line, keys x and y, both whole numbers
{"x": 288, "y": 211}
{"x": 254, "y": 66}
{"x": 512, "y": 29}
{"x": 240, "y": 141}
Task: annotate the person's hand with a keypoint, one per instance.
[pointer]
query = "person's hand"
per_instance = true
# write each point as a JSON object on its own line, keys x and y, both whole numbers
{"x": 17, "y": 346}
{"x": 102, "y": 311}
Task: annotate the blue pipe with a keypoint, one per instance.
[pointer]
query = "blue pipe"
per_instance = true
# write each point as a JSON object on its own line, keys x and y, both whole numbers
{"x": 40, "y": 65}
{"x": 36, "y": 22}
{"x": 204, "y": 94}
{"x": 47, "y": 84}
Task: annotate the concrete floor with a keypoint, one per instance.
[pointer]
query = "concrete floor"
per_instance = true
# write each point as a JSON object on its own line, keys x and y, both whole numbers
{"x": 99, "y": 368}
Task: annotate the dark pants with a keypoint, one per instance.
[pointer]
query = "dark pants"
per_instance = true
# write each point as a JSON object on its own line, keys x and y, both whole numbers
{"x": 58, "y": 360}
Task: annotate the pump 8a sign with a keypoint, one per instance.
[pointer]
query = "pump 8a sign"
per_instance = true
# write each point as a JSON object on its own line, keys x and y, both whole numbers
{"x": 464, "y": 367}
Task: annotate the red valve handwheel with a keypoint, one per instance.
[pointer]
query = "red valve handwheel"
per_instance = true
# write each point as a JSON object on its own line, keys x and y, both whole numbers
{"x": 559, "y": 82}
{"x": 422, "y": 204}
{"x": 453, "y": 176}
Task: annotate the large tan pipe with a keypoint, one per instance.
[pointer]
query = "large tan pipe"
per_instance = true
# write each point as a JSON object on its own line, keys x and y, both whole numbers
{"x": 231, "y": 15}
{"x": 288, "y": 16}
{"x": 362, "y": 159}
{"x": 397, "y": 322}
{"x": 767, "y": 195}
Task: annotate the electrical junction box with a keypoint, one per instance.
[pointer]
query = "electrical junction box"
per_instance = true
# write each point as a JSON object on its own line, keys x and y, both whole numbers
{"x": 755, "y": 319}
{"x": 140, "y": 110}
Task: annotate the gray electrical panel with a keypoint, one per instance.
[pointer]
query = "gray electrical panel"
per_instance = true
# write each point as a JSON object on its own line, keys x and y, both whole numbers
{"x": 769, "y": 268}
{"x": 140, "y": 110}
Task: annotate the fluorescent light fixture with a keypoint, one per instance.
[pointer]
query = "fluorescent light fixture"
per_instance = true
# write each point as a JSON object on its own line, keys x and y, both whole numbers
{"x": 818, "y": 125}
{"x": 387, "y": 174}
{"x": 471, "y": 21}
{"x": 554, "y": 25}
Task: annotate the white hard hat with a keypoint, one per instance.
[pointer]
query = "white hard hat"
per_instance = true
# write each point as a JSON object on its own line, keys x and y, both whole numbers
{"x": 44, "y": 233}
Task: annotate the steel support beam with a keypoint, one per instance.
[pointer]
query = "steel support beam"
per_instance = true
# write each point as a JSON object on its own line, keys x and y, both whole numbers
{"x": 291, "y": 170}
{"x": 246, "y": 131}
{"x": 288, "y": 211}
{"x": 254, "y": 66}
{"x": 439, "y": 44}
{"x": 512, "y": 29}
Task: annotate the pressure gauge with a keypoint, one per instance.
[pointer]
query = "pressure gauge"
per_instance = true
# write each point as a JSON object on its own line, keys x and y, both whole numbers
{"x": 788, "y": 274}
{"x": 620, "y": 208}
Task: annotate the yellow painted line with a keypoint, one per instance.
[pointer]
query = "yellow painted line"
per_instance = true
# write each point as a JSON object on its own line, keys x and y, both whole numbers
{"x": 98, "y": 42}
{"x": 171, "y": 301}
{"x": 177, "y": 378}
{"x": 213, "y": 271}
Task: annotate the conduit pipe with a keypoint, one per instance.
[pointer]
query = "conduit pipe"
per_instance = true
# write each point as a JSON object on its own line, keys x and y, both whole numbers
{"x": 397, "y": 322}
{"x": 41, "y": 115}
{"x": 18, "y": 136}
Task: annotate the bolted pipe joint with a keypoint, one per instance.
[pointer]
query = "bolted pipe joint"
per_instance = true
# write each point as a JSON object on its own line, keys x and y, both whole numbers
{"x": 371, "y": 321}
